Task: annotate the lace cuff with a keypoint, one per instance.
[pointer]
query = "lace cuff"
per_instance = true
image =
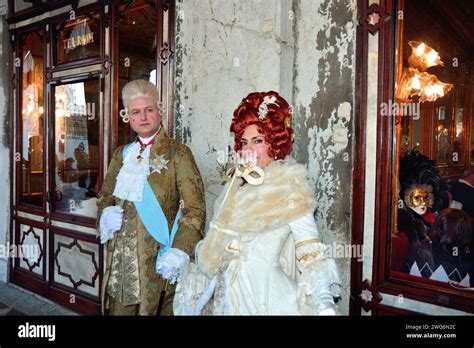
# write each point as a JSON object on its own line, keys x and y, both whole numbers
{"x": 193, "y": 293}
{"x": 319, "y": 283}
{"x": 173, "y": 265}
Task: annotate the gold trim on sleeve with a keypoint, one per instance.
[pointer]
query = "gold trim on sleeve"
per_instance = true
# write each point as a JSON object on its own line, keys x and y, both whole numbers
{"x": 306, "y": 242}
{"x": 305, "y": 257}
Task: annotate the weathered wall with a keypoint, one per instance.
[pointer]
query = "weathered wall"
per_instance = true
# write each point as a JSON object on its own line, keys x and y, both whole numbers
{"x": 5, "y": 127}
{"x": 305, "y": 50}
{"x": 324, "y": 93}
{"x": 225, "y": 50}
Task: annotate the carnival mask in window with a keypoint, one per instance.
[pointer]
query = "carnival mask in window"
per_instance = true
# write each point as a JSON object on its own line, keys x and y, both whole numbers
{"x": 419, "y": 198}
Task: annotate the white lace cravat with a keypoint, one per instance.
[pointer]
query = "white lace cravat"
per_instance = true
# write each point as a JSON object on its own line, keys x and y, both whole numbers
{"x": 132, "y": 175}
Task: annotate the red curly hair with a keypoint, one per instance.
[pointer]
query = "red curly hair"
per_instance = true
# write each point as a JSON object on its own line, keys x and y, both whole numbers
{"x": 275, "y": 126}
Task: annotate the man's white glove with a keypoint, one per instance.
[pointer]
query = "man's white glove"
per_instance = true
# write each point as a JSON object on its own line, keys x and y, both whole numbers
{"x": 173, "y": 265}
{"x": 110, "y": 222}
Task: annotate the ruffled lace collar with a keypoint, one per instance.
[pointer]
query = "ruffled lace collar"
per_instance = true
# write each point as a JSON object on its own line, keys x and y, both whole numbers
{"x": 133, "y": 174}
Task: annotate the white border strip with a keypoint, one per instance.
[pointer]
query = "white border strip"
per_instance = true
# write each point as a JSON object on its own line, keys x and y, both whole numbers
{"x": 417, "y": 306}
{"x": 370, "y": 156}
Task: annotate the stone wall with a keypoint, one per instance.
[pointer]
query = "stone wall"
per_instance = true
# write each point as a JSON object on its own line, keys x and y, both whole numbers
{"x": 5, "y": 129}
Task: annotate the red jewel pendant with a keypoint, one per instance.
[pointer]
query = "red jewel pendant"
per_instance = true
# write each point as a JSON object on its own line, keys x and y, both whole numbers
{"x": 142, "y": 148}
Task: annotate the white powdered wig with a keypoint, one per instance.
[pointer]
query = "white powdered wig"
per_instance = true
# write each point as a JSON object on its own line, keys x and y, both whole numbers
{"x": 139, "y": 88}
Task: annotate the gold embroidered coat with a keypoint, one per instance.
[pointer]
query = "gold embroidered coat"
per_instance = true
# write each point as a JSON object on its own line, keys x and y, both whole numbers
{"x": 130, "y": 277}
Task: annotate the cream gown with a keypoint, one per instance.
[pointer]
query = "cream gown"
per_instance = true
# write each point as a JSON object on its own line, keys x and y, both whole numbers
{"x": 267, "y": 258}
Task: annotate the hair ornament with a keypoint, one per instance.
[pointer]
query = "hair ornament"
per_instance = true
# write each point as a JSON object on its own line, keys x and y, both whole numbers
{"x": 263, "y": 107}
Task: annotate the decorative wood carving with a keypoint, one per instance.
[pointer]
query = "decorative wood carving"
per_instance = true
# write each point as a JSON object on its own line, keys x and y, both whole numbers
{"x": 38, "y": 238}
{"x": 75, "y": 284}
{"x": 367, "y": 295}
{"x": 165, "y": 53}
{"x": 374, "y": 18}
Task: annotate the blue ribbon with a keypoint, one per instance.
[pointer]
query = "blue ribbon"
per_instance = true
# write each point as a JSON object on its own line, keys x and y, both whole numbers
{"x": 153, "y": 218}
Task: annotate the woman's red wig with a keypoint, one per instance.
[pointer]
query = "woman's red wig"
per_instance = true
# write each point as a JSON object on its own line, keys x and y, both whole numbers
{"x": 276, "y": 125}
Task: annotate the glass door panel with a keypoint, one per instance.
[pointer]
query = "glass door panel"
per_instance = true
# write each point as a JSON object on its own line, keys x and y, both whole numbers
{"x": 76, "y": 147}
{"x": 32, "y": 125}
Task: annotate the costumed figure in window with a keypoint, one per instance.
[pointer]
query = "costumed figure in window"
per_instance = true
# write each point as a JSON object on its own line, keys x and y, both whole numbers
{"x": 422, "y": 196}
{"x": 263, "y": 253}
{"x": 151, "y": 212}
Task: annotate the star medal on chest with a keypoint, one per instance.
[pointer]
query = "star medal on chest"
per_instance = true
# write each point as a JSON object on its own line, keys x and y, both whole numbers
{"x": 142, "y": 149}
{"x": 158, "y": 163}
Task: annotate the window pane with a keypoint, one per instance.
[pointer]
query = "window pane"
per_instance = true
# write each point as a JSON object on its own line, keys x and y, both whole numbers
{"x": 459, "y": 114}
{"x": 443, "y": 121}
{"x": 22, "y": 5}
{"x": 137, "y": 51}
{"x": 77, "y": 147}
{"x": 78, "y": 38}
{"x": 434, "y": 73}
{"x": 472, "y": 135}
{"x": 32, "y": 111}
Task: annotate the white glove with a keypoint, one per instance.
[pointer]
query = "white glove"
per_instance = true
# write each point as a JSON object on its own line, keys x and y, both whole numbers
{"x": 114, "y": 217}
{"x": 173, "y": 265}
{"x": 110, "y": 222}
{"x": 325, "y": 304}
{"x": 327, "y": 311}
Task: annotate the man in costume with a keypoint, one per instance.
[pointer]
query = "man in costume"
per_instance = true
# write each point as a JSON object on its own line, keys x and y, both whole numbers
{"x": 151, "y": 212}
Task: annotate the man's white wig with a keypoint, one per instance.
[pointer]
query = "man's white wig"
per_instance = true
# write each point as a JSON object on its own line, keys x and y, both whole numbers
{"x": 139, "y": 88}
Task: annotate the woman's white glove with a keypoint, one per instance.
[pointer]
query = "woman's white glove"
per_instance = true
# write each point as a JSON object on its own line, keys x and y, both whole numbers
{"x": 327, "y": 311}
{"x": 319, "y": 287}
{"x": 110, "y": 222}
{"x": 325, "y": 303}
{"x": 173, "y": 265}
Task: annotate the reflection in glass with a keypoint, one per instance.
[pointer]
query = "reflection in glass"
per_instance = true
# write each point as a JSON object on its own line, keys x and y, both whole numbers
{"x": 472, "y": 139}
{"x": 411, "y": 134}
{"x": 459, "y": 118}
{"x": 431, "y": 241}
{"x": 78, "y": 38}
{"x": 32, "y": 111}
{"x": 76, "y": 147}
{"x": 442, "y": 135}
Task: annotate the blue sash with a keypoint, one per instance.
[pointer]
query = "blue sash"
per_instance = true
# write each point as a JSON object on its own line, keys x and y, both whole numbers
{"x": 153, "y": 218}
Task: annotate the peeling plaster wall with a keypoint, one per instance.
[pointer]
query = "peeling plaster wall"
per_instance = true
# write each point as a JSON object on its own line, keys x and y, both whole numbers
{"x": 226, "y": 49}
{"x": 324, "y": 93}
{"x": 4, "y": 139}
{"x": 302, "y": 48}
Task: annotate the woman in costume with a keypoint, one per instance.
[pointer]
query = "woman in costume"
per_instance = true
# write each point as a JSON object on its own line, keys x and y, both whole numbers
{"x": 262, "y": 253}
